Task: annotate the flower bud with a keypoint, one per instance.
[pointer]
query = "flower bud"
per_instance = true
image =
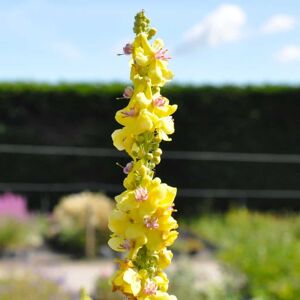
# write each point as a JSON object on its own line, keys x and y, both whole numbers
{"x": 151, "y": 165}
{"x": 127, "y": 49}
{"x": 149, "y": 156}
{"x": 151, "y": 33}
{"x": 128, "y": 92}
{"x": 158, "y": 152}
{"x": 128, "y": 168}
{"x": 156, "y": 160}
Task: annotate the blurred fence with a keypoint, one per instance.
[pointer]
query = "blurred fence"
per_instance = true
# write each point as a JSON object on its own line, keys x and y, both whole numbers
{"x": 241, "y": 125}
{"x": 104, "y": 153}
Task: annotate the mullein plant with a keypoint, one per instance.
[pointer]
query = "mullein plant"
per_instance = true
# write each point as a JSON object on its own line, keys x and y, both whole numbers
{"x": 142, "y": 224}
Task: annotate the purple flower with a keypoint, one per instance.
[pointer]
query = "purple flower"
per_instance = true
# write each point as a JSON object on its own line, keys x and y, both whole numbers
{"x": 13, "y": 205}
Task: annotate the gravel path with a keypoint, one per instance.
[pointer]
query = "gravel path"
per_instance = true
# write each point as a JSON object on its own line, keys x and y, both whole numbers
{"x": 72, "y": 275}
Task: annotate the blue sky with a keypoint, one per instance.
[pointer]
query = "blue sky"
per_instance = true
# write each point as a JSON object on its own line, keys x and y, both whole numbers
{"x": 212, "y": 42}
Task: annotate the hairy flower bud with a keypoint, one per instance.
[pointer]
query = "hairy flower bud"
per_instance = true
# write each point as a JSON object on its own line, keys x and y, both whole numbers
{"x": 127, "y": 49}
{"x": 128, "y": 92}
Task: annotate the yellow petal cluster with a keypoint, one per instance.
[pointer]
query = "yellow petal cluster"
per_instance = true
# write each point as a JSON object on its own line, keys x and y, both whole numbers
{"x": 142, "y": 224}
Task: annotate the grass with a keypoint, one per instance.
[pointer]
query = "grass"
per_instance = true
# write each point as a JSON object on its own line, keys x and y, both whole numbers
{"x": 265, "y": 247}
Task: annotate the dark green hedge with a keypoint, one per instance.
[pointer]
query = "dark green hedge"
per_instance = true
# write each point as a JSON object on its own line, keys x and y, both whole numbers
{"x": 228, "y": 119}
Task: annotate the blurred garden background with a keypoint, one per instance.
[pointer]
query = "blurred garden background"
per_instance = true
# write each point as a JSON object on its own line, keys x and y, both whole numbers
{"x": 235, "y": 155}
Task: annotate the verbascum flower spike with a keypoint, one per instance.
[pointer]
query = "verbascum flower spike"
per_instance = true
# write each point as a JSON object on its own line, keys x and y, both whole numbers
{"x": 142, "y": 224}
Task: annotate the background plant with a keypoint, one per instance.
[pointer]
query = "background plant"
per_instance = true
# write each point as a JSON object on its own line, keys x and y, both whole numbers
{"x": 16, "y": 225}
{"x": 80, "y": 219}
{"x": 24, "y": 286}
{"x": 265, "y": 247}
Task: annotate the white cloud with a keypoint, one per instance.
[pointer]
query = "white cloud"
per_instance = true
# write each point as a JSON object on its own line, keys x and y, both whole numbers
{"x": 278, "y": 23}
{"x": 67, "y": 50}
{"x": 224, "y": 24}
{"x": 289, "y": 54}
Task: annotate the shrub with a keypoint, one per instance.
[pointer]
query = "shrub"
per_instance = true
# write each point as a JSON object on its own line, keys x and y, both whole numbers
{"x": 13, "y": 234}
{"x": 79, "y": 217}
{"x": 263, "y": 246}
{"x": 16, "y": 235}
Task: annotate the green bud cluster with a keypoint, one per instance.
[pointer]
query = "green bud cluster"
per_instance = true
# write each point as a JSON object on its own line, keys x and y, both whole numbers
{"x": 147, "y": 148}
{"x": 146, "y": 261}
{"x": 141, "y": 24}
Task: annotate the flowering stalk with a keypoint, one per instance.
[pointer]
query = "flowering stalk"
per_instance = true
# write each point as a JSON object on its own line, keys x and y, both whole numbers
{"x": 142, "y": 222}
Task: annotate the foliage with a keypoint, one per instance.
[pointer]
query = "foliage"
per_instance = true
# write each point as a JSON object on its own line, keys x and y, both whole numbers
{"x": 25, "y": 287}
{"x": 18, "y": 234}
{"x": 72, "y": 217}
{"x": 263, "y": 246}
{"x": 12, "y": 234}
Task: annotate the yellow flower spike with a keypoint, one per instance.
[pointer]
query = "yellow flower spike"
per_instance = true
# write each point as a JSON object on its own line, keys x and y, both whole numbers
{"x": 142, "y": 224}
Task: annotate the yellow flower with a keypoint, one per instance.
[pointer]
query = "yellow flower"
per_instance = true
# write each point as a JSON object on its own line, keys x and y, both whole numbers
{"x": 165, "y": 257}
{"x": 158, "y": 73}
{"x": 161, "y": 106}
{"x": 133, "y": 279}
{"x": 136, "y": 122}
{"x": 165, "y": 127}
{"x": 122, "y": 224}
{"x": 123, "y": 139}
{"x": 139, "y": 171}
{"x": 145, "y": 56}
{"x": 160, "y": 195}
{"x": 142, "y": 50}
{"x": 162, "y": 281}
{"x": 141, "y": 100}
{"x": 126, "y": 279}
{"x": 129, "y": 235}
{"x": 158, "y": 240}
